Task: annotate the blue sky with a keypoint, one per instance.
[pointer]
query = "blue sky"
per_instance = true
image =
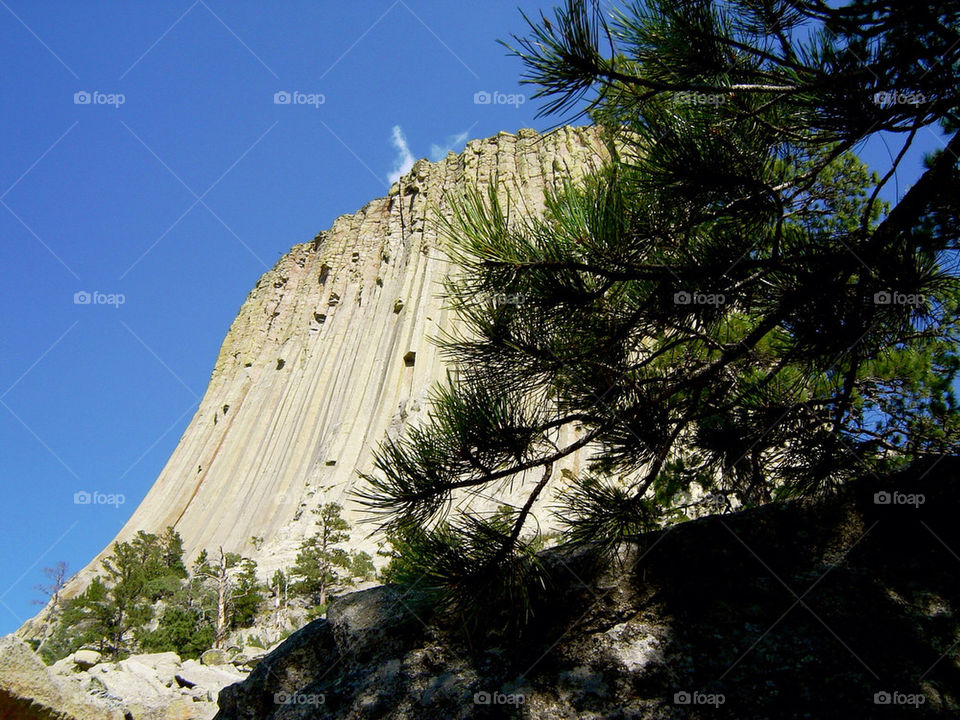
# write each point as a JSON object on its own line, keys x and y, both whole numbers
{"x": 178, "y": 198}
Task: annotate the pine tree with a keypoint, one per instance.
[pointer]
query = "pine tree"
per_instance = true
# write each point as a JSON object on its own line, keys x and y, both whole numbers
{"x": 320, "y": 564}
{"x": 247, "y": 595}
{"x": 726, "y": 308}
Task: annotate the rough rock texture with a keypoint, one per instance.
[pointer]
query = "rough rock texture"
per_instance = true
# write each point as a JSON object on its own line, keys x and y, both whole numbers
{"x": 30, "y": 691}
{"x": 843, "y": 607}
{"x": 155, "y": 686}
{"x": 316, "y": 369}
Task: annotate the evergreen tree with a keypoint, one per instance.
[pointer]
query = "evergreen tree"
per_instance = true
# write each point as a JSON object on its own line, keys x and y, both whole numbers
{"x": 116, "y": 607}
{"x": 726, "y": 306}
{"x": 320, "y": 563}
{"x": 183, "y": 629}
{"x": 247, "y": 595}
{"x": 90, "y": 619}
{"x": 361, "y": 566}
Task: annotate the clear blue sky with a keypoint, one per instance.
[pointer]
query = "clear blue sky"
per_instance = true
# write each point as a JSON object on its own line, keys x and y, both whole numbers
{"x": 179, "y": 199}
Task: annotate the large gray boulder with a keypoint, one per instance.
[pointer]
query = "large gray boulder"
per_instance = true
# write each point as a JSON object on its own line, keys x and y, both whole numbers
{"x": 837, "y": 607}
{"x": 85, "y": 659}
{"x": 207, "y": 680}
{"x": 162, "y": 666}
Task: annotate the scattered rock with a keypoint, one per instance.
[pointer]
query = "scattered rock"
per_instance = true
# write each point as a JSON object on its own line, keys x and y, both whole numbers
{"x": 29, "y": 691}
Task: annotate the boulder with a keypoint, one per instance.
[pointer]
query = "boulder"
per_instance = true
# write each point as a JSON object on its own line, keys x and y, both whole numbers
{"x": 206, "y": 681}
{"x": 29, "y": 691}
{"x": 248, "y": 658}
{"x": 215, "y": 657}
{"x": 163, "y": 665}
{"x": 129, "y": 679}
{"x": 693, "y": 621}
{"x": 86, "y": 659}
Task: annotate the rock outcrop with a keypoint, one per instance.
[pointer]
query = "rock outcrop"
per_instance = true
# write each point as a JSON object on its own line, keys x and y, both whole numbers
{"x": 329, "y": 354}
{"x": 156, "y": 686}
{"x": 840, "y": 607}
{"x": 31, "y": 691}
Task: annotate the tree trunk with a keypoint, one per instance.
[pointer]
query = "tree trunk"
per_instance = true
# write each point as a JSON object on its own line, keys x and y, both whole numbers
{"x": 221, "y": 602}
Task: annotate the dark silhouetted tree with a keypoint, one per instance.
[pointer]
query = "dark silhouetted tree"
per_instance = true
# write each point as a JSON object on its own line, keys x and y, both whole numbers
{"x": 727, "y": 308}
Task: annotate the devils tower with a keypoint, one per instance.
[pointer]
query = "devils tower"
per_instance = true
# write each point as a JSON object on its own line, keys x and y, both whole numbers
{"x": 331, "y": 352}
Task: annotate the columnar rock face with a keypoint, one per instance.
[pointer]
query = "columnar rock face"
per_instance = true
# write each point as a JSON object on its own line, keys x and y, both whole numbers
{"x": 330, "y": 353}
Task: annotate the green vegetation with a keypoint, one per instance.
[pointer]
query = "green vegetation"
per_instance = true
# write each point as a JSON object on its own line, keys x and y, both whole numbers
{"x": 321, "y": 565}
{"x": 146, "y": 601}
{"x": 117, "y": 610}
{"x": 726, "y": 314}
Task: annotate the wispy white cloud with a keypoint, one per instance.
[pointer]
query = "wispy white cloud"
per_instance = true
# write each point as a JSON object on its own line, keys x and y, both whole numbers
{"x": 439, "y": 152}
{"x": 404, "y": 159}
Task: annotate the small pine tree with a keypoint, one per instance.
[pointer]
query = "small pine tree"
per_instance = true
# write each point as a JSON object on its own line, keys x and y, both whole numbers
{"x": 320, "y": 564}
{"x": 247, "y": 595}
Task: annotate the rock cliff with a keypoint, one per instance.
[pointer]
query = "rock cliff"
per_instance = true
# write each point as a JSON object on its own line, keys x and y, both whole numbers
{"x": 328, "y": 354}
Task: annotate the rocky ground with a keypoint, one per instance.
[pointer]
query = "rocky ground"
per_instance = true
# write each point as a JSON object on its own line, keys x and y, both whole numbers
{"x": 841, "y": 607}
{"x": 83, "y": 686}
